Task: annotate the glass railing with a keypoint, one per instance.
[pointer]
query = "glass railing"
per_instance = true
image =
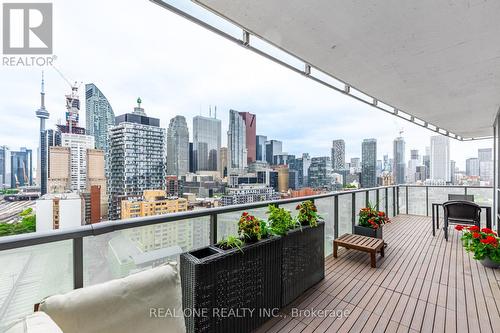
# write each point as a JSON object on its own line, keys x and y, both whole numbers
{"x": 38, "y": 265}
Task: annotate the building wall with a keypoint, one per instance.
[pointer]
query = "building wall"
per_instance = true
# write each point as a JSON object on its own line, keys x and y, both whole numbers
{"x": 59, "y": 211}
{"x": 236, "y": 142}
{"x": 59, "y": 173}
{"x": 250, "y": 130}
{"x": 96, "y": 176}
{"x": 338, "y": 155}
{"x": 78, "y": 144}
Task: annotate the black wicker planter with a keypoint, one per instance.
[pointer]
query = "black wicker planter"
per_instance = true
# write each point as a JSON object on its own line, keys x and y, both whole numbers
{"x": 303, "y": 263}
{"x": 369, "y": 232}
{"x": 246, "y": 286}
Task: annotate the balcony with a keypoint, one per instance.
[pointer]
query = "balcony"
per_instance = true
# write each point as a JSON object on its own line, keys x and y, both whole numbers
{"x": 435, "y": 282}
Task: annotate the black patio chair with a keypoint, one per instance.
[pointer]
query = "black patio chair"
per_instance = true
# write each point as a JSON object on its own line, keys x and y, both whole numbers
{"x": 460, "y": 212}
{"x": 461, "y": 197}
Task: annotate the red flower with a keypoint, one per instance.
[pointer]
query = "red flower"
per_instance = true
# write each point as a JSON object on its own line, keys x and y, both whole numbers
{"x": 244, "y": 214}
{"x": 490, "y": 240}
{"x": 476, "y": 235}
{"x": 488, "y": 231}
{"x": 298, "y": 206}
{"x": 381, "y": 214}
{"x": 459, "y": 227}
{"x": 474, "y": 228}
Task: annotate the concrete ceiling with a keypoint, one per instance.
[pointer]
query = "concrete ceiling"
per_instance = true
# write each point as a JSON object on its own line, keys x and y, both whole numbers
{"x": 436, "y": 60}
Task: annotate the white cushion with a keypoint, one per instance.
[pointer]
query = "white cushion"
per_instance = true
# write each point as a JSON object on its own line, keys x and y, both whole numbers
{"x": 122, "y": 305}
{"x": 38, "y": 322}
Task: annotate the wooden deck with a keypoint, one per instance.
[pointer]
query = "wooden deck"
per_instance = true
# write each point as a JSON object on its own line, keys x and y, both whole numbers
{"x": 424, "y": 284}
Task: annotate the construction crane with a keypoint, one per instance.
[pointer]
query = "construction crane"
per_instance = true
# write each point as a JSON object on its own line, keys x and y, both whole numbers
{"x": 72, "y": 101}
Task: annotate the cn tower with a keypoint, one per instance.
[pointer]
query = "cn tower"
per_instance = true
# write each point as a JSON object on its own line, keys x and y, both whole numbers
{"x": 43, "y": 114}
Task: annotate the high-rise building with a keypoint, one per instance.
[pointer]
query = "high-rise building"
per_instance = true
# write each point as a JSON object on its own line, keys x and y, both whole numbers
{"x": 72, "y": 114}
{"x": 3, "y": 166}
{"x": 99, "y": 116}
{"x": 283, "y": 178}
{"x": 177, "y": 147}
{"x": 412, "y": 166}
{"x": 485, "y": 154}
{"x": 369, "y": 163}
{"x": 440, "y": 158}
{"x": 96, "y": 181}
{"x": 236, "y": 142}
{"x": 426, "y": 161}
{"x": 320, "y": 173}
{"x": 78, "y": 145}
{"x": 223, "y": 162}
{"x": 261, "y": 147}
{"x": 192, "y": 162}
{"x": 472, "y": 167}
{"x": 249, "y": 193}
{"x": 137, "y": 149}
{"x": 356, "y": 163}
{"x": 43, "y": 154}
{"x": 302, "y": 166}
{"x": 273, "y": 147}
{"x": 338, "y": 155}
{"x": 453, "y": 167}
{"x": 21, "y": 168}
{"x": 250, "y": 138}
{"x": 173, "y": 186}
{"x": 399, "y": 167}
{"x": 206, "y": 143}
{"x": 59, "y": 173}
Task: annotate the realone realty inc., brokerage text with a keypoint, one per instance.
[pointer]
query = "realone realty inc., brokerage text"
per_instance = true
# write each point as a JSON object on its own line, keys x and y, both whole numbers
{"x": 246, "y": 312}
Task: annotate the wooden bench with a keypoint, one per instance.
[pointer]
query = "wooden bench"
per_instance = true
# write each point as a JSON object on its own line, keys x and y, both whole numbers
{"x": 361, "y": 243}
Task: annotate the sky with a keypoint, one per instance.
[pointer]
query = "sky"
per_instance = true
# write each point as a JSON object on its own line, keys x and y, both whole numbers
{"x": 132, "y": 48}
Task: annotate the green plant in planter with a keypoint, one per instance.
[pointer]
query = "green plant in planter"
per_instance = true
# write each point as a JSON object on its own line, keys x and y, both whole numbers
{"x": 230, "y": 242}
{"x": 308, "y": 214}
{"x": 265, "y": 230}
{"x": 249, "y": 227}
{"x": 371, "y": 217}
{"x": 484, "y": 243}
{"x": 280, "y": 220}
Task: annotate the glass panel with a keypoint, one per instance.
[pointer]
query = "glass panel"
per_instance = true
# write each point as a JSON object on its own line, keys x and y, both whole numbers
{"x": 291, "y": 207}
{"x": 360, "y": 203}
{"x": 416, "y": 200}
{"x": 402, "y": 199}
{"x": 345, "y": 214}
{"x": 121, "y": 253}
{"x": 439, "y": 194}
{"x": 372, "y": 198}
{"x": 390, "y": 202}
{"x": 325, "y": 209}
{"x": 482, "y": 196}
{"x": 382, "y": 199}
{"x": 30, "y": 274}
{"x": 227, "y": 224}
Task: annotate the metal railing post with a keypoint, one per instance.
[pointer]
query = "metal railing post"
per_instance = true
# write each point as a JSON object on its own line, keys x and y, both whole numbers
{"x": 213, "y": 228}
{"x": 367, "y": 198}
{"x": 336, "y": 217}
{"x": 427, "y": 200}
{"x": 465, "y": 187}
{"x": 77, "y": 262}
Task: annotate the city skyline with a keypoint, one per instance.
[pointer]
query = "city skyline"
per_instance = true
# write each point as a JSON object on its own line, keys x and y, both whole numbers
{"x": 278, "y": 96}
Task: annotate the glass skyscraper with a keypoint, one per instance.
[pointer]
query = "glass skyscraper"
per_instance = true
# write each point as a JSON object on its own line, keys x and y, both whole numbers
{"x": 440, "y": 158}
{"x": 99, "y": 116}
{"x": 206, "y": 143}
{"x": 261, "y": 148}
{"x": 399, "y": 161}
{"x": 177, "y": 147}
{"x": 21, "y": 168}
{"x": 236, "y": 142}
{"x": 273, "y": 147}
{"x": 369, "y": 163}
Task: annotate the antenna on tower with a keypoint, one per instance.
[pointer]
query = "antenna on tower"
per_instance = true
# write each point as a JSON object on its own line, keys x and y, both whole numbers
{"x": 216, "y": 112}
{"x": 401, "y": 131}
{"x": 210, "y": 111}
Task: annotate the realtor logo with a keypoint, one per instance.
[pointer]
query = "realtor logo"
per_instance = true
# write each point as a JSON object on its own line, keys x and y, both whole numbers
{"x": 27, "y": 28}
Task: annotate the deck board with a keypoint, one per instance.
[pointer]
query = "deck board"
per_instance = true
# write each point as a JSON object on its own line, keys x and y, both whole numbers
{"x": 423, "y": 284}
